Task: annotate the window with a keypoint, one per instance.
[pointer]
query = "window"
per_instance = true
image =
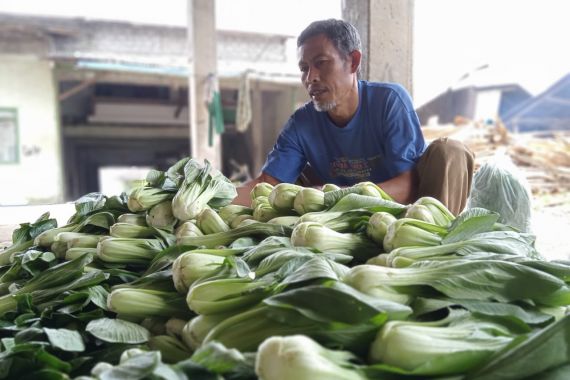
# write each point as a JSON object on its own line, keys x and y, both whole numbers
{"x": 127, "y": 91}
{"x": 9, "y": 136}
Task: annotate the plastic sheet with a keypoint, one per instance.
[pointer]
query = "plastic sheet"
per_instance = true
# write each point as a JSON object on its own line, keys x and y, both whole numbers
{"x": 501, "y": 187}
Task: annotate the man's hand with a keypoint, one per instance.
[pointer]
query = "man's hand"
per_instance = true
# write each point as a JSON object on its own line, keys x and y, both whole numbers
{"x": 402, "y": 188}
{"x": 243, "y": 197}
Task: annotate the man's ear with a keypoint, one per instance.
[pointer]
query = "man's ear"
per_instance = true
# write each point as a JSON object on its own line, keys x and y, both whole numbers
{"x": 355, "y": 57}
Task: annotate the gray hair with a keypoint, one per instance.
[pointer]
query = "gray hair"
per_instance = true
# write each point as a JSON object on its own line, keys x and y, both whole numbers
{"x": 342, "y": 34}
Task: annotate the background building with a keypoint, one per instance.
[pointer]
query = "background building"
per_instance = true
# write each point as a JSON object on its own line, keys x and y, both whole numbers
{"x": 81, "y": 97}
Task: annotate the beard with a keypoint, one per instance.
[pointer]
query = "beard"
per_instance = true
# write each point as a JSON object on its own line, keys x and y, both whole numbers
{"x": 324, "y": 106}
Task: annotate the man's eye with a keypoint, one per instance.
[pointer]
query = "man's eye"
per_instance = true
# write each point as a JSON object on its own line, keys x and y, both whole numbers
{"x": 303, "y": 69}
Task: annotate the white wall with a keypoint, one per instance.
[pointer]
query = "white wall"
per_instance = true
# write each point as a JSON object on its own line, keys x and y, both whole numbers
{"x": 26, "y": 83}
{"x": 487, "y": 106}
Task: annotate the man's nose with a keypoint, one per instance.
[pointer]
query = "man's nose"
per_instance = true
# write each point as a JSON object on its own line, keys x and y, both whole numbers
{"x": 312, "y": 75}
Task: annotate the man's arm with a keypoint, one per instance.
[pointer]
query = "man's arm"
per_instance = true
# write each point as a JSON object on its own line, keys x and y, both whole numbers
{"x": 403, "y": 187}
{"x": 243, "y": 197}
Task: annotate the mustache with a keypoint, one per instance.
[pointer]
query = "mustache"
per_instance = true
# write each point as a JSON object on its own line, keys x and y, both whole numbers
{"x": 315, "y": 89}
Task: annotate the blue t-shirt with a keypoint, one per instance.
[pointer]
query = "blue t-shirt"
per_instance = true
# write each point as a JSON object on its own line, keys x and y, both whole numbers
{"x": 382, "y": 140}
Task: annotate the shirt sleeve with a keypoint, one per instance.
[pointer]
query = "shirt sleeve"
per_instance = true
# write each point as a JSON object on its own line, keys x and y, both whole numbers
{"x": 404, "y": 142}
{"x": 286, "y": 160}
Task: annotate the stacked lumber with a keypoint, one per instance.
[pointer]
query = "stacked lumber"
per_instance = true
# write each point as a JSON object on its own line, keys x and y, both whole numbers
{"x": 543, "y": 158}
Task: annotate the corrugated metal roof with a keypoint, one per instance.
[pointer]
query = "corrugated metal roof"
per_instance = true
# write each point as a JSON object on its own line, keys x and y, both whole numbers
{"x": 235, "y": 71}
{"x": 133, "y": 68}
{"x": 149, "y": 49}
{"x": 549, "y": 110}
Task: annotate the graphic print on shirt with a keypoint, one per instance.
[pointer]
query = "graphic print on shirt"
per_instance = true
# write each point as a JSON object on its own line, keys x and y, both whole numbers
{"x": 359, "y": 169}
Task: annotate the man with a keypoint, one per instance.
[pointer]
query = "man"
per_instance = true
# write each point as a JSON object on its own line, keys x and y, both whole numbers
{"x": 354, "y": 131}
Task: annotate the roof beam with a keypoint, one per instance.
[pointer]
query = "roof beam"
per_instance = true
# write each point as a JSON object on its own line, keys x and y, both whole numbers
{"x": 76, "y": 89}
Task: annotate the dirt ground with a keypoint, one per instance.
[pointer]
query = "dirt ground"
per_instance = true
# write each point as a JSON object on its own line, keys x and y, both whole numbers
{"x": 550, "y": 222}
{"x": 551, "y": 225}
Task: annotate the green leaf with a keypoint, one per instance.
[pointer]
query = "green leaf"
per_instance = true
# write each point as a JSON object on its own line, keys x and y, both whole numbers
{"x": 333, "y": 197}
{"x": 34, "y": 261}
{"x": 546, "y": 349}
{"x": 558, "y": 269}
{"x": 46, "y": 374}
{"x": 484, "y": 280}
{"x": 242, "y": 269}
{"x": 272, "y": 244}
{"x": 356, "y": 201}
{"x": 57, "y": 275}
{"x": 45, "y": 359}
{"x": 26, "y": 319}
{"x": 337, "y": 302}
{"x": 28, "y": 231}
{"x": 86, "y": 205}
{"x": 155, "y": 281}
{"x": 244, "y": 242}
{"x": 176, "y": 171}
{"x": 52, "y": 361}
{"x": 221, "y": 360}
{"x": 318, "y": 268}
{"x": 503, "y": 242}
{"x": 388, "y": 372}
{"x": 22, "y": 234}
{"x": 275, "y": 261}
{"x": 117, "y": 204}
{"x": 5, "y": 367}
{"x": 24, "y": 303}
{"x": 80, "y": 361}
{"x": 470, "y": 223}
{"x": 227, "y": 237}
{"x": 8, "y": 344}
{"x": 43, "y": 217}
{"x": 102, "y": 220}
{"x": 98, "y": 295}
{"x": 137, "y": 367}
{"x": 189, "y": 369}
{"x": 31, "y": 334}
{"x": 166, "y": 237}
{"x": 14, "y": 272}
{"x": 90, "y": 315}
{"x": 117, "y": 331}
{"x": 155, "y": 177}
{"x": 335, "y": 314}
{"x": 76, "y": 297}
{"x": 165, "y": 258}
{"x": 514, "y": 313}
{"x": 73, "y": 303}
{"x": 116, "y": 274}
{"x": 86, "y": 280}
{"x": 40, "y": 226}
{"x": 110, "y": 353}
{"x": 147, "y": 365}
{"x": 558, "y": 373}
{"x": 66, "y": 340}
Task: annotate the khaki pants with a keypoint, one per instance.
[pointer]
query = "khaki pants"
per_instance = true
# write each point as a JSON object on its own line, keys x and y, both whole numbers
{"x": 445, "y": 172}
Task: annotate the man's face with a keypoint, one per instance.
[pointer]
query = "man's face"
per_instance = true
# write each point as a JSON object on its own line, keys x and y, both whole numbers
{"x": 326, "y": 74}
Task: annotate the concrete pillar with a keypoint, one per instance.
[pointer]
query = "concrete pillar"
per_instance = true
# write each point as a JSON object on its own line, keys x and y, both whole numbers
{"x": 202, "y": 62}
{"x": 386, "y": 30}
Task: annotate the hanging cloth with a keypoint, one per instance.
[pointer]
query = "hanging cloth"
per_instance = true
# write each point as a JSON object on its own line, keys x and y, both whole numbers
{"x": 244, "y": 112}
{"x": 214, "y": 104}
